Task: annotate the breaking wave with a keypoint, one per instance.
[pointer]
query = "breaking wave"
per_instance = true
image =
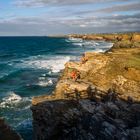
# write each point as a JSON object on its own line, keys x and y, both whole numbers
{"x": 45, "y": 82}
{"x": 96, "y": 46}
{"x": 71, "y": 39}
{"x": 13, "y": 100}
{"x": 53, "y": 63}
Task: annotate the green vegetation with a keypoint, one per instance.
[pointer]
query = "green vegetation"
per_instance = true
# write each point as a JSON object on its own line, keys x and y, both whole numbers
{"x": 123, "y": 44}
{"x": 134, "y": 61}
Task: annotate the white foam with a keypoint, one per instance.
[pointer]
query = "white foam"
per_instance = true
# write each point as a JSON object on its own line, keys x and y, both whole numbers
{"x": 43, "y": 74}
{"x": 12, "y": 100}
{"x": 54, "y": 63}
{"x": 42, "y": 78}
{"x": 99, "y": 50}
{"x": 96, "y": 45}
{"x": 87, "y": 44}
{"x": 71, "y": 39}
{"x": 78, "y": 44}
{"x": 110, "y": 45}
{"x": 45, "y": 83}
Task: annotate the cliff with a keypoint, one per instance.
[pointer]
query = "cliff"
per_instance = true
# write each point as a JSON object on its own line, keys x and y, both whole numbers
{"x": 102, "y": 104}
{"x": 128, "y": 40}
{"x": 118, "y": 70}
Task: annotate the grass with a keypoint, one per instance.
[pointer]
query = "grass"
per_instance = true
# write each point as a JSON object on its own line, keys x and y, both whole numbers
{"x": 134, "y": 62}
{"x": 123, "y": 59}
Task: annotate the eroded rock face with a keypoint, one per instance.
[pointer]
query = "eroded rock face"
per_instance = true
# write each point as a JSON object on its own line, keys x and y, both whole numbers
{"x": 6, "y": 133}
{"x": 86, "y": 120}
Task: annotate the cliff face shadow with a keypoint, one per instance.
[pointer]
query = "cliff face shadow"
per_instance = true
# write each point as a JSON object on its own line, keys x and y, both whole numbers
{"x": 107, "y": 118}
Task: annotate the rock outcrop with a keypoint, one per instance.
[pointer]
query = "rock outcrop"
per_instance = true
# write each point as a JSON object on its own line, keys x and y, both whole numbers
{"x": 118, "y": 70}
{"x": 6, "y": 133}
{"x": 86, "y": 120}
{"x": 128, "y": 40}
{"x": 104, "y": 103}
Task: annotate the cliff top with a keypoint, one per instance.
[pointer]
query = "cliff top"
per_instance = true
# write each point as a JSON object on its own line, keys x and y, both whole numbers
{"x": 119, "y": 70}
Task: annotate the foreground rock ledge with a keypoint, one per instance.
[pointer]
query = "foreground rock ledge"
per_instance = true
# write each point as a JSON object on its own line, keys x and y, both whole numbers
{"x": 86, "y": 120}
{"x": 6, "y": 133}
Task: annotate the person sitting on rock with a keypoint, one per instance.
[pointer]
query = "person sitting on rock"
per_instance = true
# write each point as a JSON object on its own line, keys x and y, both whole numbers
{"x": 84, "y": 59}
{"x": 75, "y": 75}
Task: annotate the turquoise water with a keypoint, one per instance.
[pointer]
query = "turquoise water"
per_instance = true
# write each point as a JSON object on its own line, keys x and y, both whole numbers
{"x": 30, "y": 66}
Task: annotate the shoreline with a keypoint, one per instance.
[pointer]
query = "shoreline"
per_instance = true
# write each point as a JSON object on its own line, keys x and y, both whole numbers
{"x": 114, "y": 38}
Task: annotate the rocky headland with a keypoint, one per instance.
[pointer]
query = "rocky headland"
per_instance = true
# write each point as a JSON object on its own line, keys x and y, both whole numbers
{"x": 102, "y": 104}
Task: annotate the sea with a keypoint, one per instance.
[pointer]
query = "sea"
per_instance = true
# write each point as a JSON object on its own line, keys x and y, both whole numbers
{"x": 31, "y": 66}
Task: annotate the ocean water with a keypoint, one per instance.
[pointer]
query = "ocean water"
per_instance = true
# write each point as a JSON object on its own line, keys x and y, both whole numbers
{"x": 30, "y": 66}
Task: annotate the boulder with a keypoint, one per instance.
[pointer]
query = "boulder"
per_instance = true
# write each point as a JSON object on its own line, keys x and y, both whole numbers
{"x": 84, "y": 120}
{"x": 6, "y": 133}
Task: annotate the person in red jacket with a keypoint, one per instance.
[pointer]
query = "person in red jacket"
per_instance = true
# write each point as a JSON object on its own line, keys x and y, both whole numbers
{"x": 74, "y": 75}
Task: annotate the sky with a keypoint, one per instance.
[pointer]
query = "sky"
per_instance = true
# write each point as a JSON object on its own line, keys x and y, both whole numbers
{"x": 57, "y": 17}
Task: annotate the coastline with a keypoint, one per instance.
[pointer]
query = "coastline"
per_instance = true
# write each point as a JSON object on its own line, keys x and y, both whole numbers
{"x": 116, "y": 48}
{"x": 110, "y": 77}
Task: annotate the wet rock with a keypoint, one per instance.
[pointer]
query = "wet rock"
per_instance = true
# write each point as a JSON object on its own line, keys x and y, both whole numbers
{"x": 6, "y": 133}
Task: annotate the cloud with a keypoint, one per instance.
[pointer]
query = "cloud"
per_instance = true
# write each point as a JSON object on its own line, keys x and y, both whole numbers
{"x": 42, "y": 26}
{"x": 71, "y": 16}
{"x": 127, "y": 7}
{"x": 42, "y": 3}
{"x": 120, "y": 8}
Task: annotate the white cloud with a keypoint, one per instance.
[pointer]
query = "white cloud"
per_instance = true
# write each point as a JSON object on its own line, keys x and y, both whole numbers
{"x": 42, "y": 3}
{"x": 71, "y": 18}
{"x": 42, "y": 26}
{"x": 120, "y": 8}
